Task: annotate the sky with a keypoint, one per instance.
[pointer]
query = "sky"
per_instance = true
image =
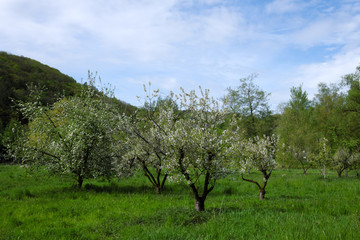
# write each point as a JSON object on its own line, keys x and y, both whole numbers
{"x": 188, "y": 43}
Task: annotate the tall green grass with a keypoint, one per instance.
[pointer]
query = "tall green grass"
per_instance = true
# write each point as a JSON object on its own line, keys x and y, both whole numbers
{"x": 39, "y": 206}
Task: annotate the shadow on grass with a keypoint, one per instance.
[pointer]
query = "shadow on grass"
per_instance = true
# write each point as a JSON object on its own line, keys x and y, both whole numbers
{"x": 291, "y": 197}
{"x": 113, "y": 188}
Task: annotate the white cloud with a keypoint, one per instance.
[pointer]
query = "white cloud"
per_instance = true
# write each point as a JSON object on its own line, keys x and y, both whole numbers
{"x": 170, "y": 84}
{"x": 282, "y": 6}
{"x": 210, "y": 1}
{"x": 217, "y": 25}
{"x": 211, "y": 43}
{"x": 327, "y": 72}
{"x": 335, "y": 30}
{"x": 315, "y": 33}
{"x": 141, "y": 30}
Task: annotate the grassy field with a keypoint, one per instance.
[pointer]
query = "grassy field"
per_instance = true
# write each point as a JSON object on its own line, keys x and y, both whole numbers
{"x": 39, "y": 206}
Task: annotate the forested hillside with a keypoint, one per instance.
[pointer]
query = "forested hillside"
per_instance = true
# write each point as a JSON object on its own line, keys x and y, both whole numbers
{"x": 18, "y": 73}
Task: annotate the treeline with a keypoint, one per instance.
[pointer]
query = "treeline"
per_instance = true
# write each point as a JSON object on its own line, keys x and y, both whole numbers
{"x": 18, "y": 75}
{"x": 320, "y": 132}
{"x": 189, "y": 136}
{"x": 327, "y": 125}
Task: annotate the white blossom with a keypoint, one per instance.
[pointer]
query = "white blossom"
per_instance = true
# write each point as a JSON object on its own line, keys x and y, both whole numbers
{"x": 74, "y": 135}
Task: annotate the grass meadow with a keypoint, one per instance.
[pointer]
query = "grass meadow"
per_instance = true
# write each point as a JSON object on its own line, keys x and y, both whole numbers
{"x": 40, "y": 206}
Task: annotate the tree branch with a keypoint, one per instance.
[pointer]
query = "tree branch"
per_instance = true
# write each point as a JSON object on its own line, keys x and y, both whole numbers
{"x": 186, "y": 175}
{"x": 55, "y": 127}
{"x": 250, "y": 180}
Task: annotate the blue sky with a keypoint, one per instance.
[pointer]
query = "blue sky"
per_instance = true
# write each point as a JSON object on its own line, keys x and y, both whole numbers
{"x": 188, "y": 43}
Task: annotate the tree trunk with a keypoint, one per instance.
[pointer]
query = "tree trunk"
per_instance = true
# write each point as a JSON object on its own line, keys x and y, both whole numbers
{"x": 163, "y": 183}
{"x": 261, "y": 188}
{"x": 262, "y": 194}
{"x": 200, "y": 204}
{"x": 346, "y": 173}
{"x": 158, "y": 189}
{"x": 80, "y": 181}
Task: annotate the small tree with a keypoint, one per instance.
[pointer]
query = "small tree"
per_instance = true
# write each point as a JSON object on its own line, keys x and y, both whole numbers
{"x": 74, "y": 135}
{"x": 323, "y": 160}
{"x": 343, "y": 160}
{"x": 303, "y": 157}
{"x": 198, "y": 146}
{"x": 146, "y": 135}
{"x": 258, "y": 153}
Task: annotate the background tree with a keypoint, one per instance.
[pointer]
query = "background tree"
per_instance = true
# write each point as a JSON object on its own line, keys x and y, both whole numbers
{"x": 250, "y": 103}
{"x": 9, "y": 138}
{"x": 297, "y": 129}
{"x": 10, "y": 134}
{"x": 74, "y": 135}
{"x": 352, "y": 111}
{"x": 331, "y": 122}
